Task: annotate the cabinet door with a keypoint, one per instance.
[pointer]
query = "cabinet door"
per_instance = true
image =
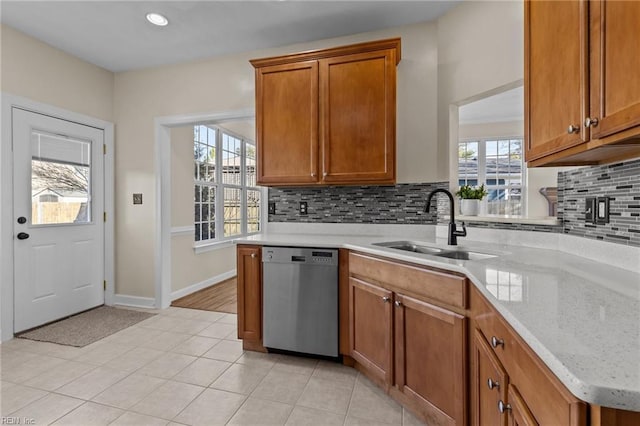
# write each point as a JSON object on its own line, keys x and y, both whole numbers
{"x": 556, "y": 61}
{"x": 249, "y": 294}
{"x": 357, "y": 117}
{"x": 519, "y": 413}
{"x": 489, "y": 384}
{"x": 430, "y": 359}
{"x": 615, "y": 64}
{"x": 370, "y": 326}
{"x": 287, "y": 123}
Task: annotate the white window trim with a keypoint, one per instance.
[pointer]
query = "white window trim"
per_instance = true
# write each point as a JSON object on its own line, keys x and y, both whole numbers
{"x": 482, "y": 158}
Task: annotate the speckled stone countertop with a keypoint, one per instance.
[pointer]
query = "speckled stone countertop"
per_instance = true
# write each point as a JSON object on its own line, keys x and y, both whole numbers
{"x": 581, "y": 317}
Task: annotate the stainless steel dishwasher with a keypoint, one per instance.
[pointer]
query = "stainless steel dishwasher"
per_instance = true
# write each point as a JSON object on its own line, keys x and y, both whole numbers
{"x": 300, "y": 300}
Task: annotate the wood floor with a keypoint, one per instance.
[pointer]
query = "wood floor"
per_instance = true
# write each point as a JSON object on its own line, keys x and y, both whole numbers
{"x": 220, "y": 297}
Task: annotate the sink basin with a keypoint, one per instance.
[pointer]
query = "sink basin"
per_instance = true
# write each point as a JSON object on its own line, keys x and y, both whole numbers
{"x": 410, "y": 246}
{"x": 435, "y": 251}
{"x": 465, "y": 255}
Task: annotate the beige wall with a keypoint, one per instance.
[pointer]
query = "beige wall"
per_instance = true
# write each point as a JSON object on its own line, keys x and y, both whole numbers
{"x": 182, "y": 177}
{"x": 244, "y": 128}
{"x": 187, "y": 268}
{"x": 480, "y": 48}
{"x": 35, "y": 70}
{"x": 502, "y": 129}
{"x": 227, "y": 83}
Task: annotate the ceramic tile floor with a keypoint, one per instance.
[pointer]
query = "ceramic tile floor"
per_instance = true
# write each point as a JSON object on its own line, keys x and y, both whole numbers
{"x": 183, "y": 366}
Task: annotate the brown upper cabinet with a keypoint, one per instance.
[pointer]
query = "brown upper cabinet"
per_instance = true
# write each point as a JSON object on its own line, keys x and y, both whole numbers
{"x": 328, "y": 116}
{"x": 582, "y": 82}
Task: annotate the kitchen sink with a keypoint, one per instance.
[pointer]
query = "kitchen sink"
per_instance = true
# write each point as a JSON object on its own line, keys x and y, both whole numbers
{"x": 465, "y": 255}
{"x": 435, "y": 251}
{"x": 410, "y": 246}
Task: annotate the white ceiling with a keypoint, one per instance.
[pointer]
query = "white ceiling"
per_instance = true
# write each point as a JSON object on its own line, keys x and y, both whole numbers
{"x": 115, "y": 34}
{"x": 503, "y": 107}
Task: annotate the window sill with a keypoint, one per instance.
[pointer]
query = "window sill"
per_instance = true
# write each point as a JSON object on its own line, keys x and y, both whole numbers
{"x": 542, "y": 220}
{"x": 211, "y": 246}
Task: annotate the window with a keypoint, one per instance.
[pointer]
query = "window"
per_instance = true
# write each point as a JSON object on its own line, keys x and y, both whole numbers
{"x": 498, "y": 164}
{"x": 226, "y": 199}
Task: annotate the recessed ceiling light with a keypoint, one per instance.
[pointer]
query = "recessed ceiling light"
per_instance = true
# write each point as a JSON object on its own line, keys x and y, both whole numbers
{"x": 157, "y": 19}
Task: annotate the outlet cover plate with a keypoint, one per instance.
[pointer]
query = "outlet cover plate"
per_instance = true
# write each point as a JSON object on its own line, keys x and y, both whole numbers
{"x": 602, "y": 210}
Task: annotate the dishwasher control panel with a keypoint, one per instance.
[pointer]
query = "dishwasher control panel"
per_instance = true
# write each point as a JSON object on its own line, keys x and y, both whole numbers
{"x": 299, "y": 255}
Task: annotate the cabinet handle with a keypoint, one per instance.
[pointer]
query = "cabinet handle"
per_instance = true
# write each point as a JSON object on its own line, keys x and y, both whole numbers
{"x": 573, "y": 129}
{"x": 313, "y": 175}
{"x": 386, "y": 299}
{"x": 491, "y": 384}
{"x": 325, "y": 174}
{"x": 502, "y": 407}
{"x": 398, "y": 303}
{"x": 253, "y": 255}
{"x": 590, "y": 122}
{"x": 495, "y": 342}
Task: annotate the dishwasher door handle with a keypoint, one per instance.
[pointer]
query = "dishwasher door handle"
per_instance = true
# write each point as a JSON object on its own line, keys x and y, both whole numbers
{"x": 298, "y": 259}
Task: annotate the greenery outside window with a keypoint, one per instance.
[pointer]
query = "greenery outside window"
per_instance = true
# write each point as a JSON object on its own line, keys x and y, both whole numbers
{"x": 497, "y": 163}
{"x": 226, "y": 199}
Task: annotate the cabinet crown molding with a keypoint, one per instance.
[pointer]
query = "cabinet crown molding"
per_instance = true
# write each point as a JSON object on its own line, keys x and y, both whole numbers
{"x": 370, "y": 46}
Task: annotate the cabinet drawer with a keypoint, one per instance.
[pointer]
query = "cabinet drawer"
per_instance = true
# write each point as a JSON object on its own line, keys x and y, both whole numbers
{"x": 549, "y": 401}
{"x": 434, "y": 285}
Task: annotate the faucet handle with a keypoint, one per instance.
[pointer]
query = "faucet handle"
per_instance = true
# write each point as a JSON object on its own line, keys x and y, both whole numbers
{"x": 462, "y": 233}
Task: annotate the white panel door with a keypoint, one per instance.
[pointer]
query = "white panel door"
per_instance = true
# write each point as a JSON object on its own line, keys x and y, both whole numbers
{"x": 58, "y": 218}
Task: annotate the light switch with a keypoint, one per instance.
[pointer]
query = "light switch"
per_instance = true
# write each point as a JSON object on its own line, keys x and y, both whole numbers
{"x": 590, "y": 210}
{"x": 137, "y": 198}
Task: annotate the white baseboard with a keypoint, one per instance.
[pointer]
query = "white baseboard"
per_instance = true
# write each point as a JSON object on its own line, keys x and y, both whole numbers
{"x": 202, "y": 284}
{"x": 134, "y": 301}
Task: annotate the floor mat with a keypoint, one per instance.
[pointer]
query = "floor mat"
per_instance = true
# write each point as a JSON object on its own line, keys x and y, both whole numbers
{"x": 87, "y": 327}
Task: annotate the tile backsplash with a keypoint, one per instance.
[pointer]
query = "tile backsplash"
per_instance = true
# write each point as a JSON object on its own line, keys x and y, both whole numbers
{"x": 620, "y": 182}
{"x": 404, "y": 204}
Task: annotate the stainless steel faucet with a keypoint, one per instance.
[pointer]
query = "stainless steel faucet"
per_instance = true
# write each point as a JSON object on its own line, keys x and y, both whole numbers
{"x": 452, "y": 239}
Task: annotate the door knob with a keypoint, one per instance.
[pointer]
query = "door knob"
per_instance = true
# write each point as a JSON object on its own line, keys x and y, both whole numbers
{"x": 22, "y": 220}
{"x": 23, "y": 236}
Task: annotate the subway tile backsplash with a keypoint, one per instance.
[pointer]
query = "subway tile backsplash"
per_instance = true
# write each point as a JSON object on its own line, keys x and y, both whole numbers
{"x": 404, "y": 204}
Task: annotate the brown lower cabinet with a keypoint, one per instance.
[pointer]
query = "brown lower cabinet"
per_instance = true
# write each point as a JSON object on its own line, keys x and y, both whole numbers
{"x": 249, "y": 267}
{"x": 412, "y": 347}
{"x": 430, "y": 348}
{"x": 489, "y": 380}
{"x": 435, "y": 344}
{"x": 371, "y": 329}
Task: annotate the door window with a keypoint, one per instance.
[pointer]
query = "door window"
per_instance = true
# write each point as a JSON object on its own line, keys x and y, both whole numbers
{"x": 60, "y": 179}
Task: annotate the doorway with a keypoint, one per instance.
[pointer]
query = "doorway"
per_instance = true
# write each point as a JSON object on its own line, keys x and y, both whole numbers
{"x": 58, "y": 187}
{"x": 56, "y": 249}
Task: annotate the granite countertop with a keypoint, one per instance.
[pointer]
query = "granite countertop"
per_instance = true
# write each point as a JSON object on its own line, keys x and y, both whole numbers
{"x": 581, "y": 317}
